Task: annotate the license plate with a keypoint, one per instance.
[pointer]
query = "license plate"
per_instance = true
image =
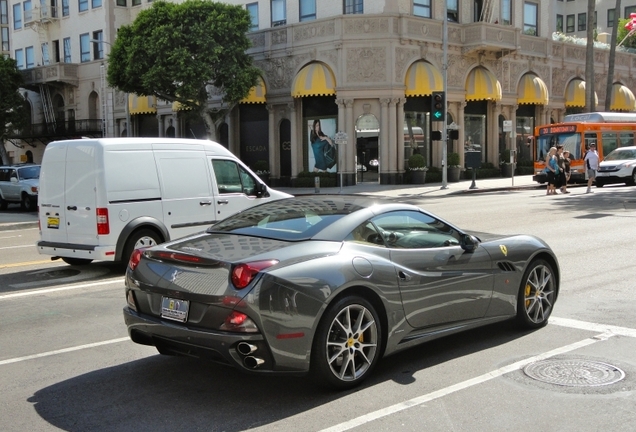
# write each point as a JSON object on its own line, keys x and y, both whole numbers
{"x": 602, "y": 174}
{"x": 53, "y": 222}
{"x": 174, "y": 309}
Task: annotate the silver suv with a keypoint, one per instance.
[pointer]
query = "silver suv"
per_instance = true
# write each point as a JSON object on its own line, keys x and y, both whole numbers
{"x": 19, "y": 184}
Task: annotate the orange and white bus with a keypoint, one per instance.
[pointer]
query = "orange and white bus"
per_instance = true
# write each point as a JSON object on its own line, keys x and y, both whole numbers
{"x": 608, "y": 130}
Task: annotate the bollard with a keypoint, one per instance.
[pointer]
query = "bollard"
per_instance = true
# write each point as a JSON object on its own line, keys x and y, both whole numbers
{"x": 316, "y": 184}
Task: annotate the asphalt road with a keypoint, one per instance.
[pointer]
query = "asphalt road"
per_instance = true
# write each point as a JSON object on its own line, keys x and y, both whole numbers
{"x": 66, "y": 362}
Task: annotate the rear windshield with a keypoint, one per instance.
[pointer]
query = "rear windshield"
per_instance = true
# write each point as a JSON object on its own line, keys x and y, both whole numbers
{"x": 32, "y": 172}
{"x": 288, "y": 219}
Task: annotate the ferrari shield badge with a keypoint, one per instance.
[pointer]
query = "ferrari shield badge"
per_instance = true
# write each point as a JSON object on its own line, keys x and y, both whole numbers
{"x": 504, "y": 249}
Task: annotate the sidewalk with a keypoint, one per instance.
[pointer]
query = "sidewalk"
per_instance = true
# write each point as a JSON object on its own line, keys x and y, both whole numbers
{"x": 427, "y": 189}
{"x": 15, "y": 219}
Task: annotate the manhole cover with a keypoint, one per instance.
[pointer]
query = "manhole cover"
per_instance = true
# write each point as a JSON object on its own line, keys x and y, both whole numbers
{"x": 574, "y": 373}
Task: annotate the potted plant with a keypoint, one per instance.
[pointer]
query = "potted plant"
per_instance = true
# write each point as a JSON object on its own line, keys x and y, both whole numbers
{"x": 507, "y": 168}
{"x": 417, "y": 166}
{"x": 454, "y": 169}
{"x": 261, "y": 168}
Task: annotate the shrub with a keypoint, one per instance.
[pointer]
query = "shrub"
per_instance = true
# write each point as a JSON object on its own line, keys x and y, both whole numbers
{"x": 307, "y": 179}
{"x": 417, "y": 162}
{"x": 261, "y": 167}
{"x": 453, "y": 160}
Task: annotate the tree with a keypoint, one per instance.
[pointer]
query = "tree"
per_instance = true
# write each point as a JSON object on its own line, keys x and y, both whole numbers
{"x": 13, "y": 115}
{"x": 590, "y": 103}
{"x": 612, "y": 59}
{"x": 177, "y": 51}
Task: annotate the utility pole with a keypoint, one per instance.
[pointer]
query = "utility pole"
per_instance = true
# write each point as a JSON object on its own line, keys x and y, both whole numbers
{"x": 444, "y": 71}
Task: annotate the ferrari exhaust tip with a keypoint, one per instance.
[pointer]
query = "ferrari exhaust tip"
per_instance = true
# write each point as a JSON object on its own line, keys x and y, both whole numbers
{"x": 246, "y": 348}
{"x": 252, "y": 362}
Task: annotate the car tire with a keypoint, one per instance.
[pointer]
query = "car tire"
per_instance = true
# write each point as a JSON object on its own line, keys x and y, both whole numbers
{"x": 537, "y": 295}
{"x": 631, "y": 180}
{"x": 139, "y": 239}
{"x": 342, "y": 355}
{"x": 3, "y": 204}
{"x": 27, "y": 203}
{"x": 599, "y": 183}
{"x": 77, "y": 261}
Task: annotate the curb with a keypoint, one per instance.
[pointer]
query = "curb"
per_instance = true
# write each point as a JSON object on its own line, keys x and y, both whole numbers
{"x": 7, "y": 226}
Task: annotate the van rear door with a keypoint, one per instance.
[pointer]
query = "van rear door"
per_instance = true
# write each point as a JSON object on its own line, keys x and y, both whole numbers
{"x": 51, "y": 194}
{"x": 80, "y": 199}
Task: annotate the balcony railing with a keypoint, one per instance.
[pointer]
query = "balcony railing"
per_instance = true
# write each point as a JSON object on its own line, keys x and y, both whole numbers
{"x": 46, "y": 132}
{"x": 66, "y": 73}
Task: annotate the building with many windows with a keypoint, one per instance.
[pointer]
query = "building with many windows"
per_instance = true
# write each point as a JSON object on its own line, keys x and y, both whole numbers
{"x": 363, "y": 67}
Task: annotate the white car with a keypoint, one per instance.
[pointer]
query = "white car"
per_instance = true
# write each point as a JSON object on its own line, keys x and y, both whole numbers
{"x": 618, "y": 167}
{"x": 19, "y": 185}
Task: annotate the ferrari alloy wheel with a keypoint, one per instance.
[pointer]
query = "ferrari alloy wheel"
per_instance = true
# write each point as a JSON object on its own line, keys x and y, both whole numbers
{"x": 537, "y": 295}
{"x": 347, "y": 344}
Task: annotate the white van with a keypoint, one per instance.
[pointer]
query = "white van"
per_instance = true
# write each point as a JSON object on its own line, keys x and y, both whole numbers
{"x": 102, "y": 198}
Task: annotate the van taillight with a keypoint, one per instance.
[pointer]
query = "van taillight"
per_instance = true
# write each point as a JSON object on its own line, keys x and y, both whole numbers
{"x": 103, "y": 226}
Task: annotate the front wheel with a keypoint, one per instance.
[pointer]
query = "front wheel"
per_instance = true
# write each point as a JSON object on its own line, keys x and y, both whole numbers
{"x": 3, "y": 204}
{"x": 599, "y": 183}
{"x": 537, "y": 295}
{"x": 347, "y": 345}
{"x": 27, "y": 203}
{"x": 631, "y": 180}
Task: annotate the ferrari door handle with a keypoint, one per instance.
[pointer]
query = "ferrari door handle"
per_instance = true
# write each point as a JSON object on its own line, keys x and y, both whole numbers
{"x": 224, "y": 201}
{"x": 404, "y": 276}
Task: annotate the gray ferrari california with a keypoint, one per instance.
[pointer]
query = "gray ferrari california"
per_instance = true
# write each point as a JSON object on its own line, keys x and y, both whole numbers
{"x": 329, "y": 285}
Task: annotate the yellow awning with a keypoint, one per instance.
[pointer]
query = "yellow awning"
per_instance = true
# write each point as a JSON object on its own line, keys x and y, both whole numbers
{"x": 532, "y": 90}
{"x": 141, "y": 104}
{"x": 178, "y": 106}
{"x": 575, "y": 94}
{"x": 422, "y": 79}
{"x": 481, "y": 84}
{"x": 256, "y": 94}
{"x": 315, "y": 79}
{"x": 622, "y": 98}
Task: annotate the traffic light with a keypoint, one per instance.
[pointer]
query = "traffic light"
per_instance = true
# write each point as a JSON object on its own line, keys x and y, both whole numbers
{"x": 436, "y": 135}
{"x": 438, "y": 106}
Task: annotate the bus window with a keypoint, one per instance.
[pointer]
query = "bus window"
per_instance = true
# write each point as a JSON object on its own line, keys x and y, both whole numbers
{"x": 571, "y": 143}
{"x": 610, "y": 142}
{"x": 626, "y": 139}
{"x": 590, "y": 138}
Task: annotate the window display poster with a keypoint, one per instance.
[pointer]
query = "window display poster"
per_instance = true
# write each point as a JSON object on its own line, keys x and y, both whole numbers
{"x": 322, "y": 152}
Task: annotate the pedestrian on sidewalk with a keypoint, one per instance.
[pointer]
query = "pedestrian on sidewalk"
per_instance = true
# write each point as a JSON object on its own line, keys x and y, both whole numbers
{"x": 561, "y": 181}
{"x": 566, "y": 170}
{"x": 591, "y": 161}
{"x": 552, "y": 170}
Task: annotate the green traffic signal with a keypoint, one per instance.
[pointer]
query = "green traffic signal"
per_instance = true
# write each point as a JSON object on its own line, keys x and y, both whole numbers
{"x": 438, "y": 106}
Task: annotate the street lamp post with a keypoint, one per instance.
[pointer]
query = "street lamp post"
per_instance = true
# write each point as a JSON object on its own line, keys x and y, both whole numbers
{"x": 108, "y": 102}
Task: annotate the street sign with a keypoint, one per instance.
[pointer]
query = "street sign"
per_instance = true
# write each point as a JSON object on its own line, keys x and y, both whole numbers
{"x": 507, "y": 125}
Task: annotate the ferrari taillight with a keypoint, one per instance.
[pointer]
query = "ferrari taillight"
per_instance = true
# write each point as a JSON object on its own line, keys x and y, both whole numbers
{"x": 135, "y": 257}
{"x": 244, "y": 273}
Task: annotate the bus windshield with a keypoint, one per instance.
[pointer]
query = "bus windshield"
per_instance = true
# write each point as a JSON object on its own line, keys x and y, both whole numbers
{"x": 570, "y": 142}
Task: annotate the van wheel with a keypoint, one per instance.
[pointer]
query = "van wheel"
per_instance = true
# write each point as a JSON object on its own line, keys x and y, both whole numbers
{"x": 139, "y": 239}
{"x": 77, "y": 261}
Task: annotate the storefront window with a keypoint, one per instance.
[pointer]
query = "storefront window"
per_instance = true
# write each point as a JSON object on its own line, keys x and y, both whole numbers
{"x": 475, "y": 133}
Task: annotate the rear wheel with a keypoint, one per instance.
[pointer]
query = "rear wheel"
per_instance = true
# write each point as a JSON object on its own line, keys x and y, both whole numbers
{"x": 3, "y": 204}
{"x": 77, "y": 261}
{"x": 139, "y": 239}
{"x": 347, "y": 345}
{"x": 631, "y": 180}
{"x": 536, "y": 295}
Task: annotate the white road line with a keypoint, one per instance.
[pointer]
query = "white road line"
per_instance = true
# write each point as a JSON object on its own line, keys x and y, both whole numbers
{"x": 62, "y": 351}
{"x": 601, "y": 328}
{"x": 367, "y": 418}
{"x": 16, "y": 247}
{"x": 62, "y": 288}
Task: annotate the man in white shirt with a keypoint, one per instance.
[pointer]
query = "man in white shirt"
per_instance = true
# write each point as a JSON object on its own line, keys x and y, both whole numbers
{"x": 591, "y": 165}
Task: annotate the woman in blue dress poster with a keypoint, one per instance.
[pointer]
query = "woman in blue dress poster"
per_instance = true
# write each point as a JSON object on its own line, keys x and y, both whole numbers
{"x": 323, "y": 148}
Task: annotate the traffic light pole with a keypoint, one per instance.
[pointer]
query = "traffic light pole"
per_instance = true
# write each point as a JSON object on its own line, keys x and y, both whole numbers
{"x": 444, "y": 70}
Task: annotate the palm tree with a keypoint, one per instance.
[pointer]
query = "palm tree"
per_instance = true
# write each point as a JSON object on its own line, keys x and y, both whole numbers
{"x": 612, "y": 57}
{"x": 589, "y": 58}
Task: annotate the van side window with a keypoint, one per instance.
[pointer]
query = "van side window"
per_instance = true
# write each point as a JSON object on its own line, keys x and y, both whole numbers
{"x": 231, "y": 178}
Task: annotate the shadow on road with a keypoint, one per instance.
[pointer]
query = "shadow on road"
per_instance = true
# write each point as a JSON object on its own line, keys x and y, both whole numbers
{"x": 174, "y": 393}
